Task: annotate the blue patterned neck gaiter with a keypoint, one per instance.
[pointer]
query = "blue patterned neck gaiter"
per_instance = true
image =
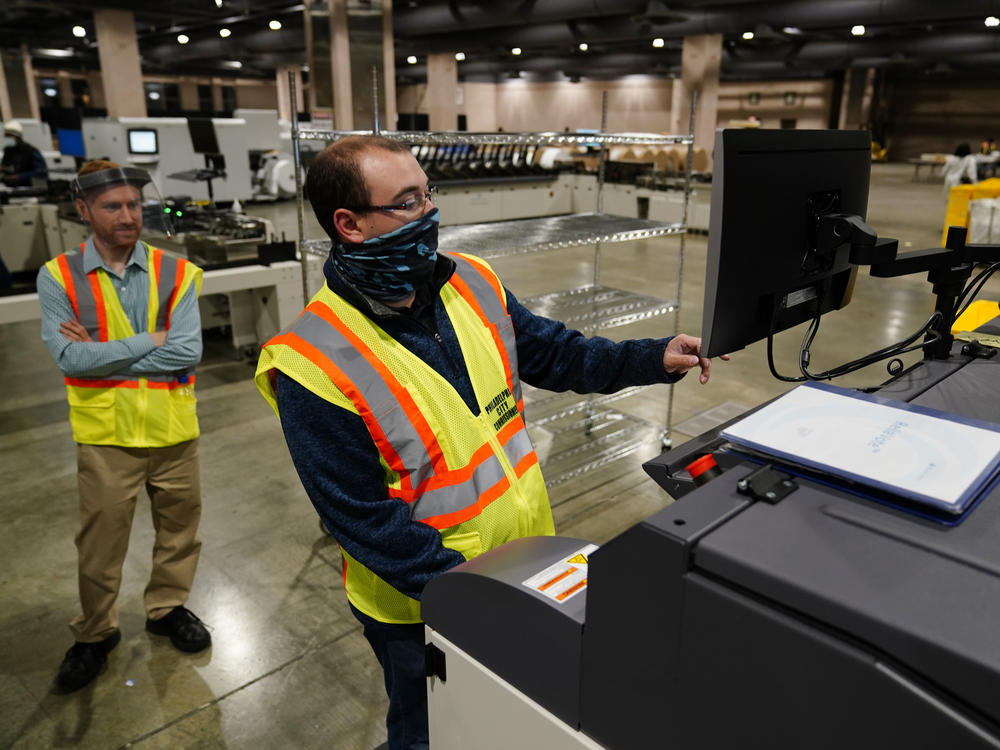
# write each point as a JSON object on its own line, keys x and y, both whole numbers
{"x": 389, "y": 267}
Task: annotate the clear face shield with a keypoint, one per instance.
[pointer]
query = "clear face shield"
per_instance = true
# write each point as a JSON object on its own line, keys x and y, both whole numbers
{"x": 121, "y": 200}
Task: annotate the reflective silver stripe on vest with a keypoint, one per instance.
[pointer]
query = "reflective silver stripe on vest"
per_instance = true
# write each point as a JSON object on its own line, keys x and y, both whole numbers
{"x": 389, "y": 415}
{"x": 493, "y": 308}
{"x": 169, "y": 268}
{"x": 86, "y": 304}
{"x": 518, "y": 447}
{"x": 438, "y": 502}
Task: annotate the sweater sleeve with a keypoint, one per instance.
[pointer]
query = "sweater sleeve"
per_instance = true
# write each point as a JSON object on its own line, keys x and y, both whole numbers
{"x": 339, "y": 467}
{"x": 82, "y": 358}
{"x": 558, "y": 358}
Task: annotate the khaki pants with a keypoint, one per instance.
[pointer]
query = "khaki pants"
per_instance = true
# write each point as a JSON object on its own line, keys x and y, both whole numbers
{"x": 109, "y": 478}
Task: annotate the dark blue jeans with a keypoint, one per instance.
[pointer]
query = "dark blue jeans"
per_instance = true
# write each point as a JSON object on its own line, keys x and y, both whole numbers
{"x": 400, "y": 651}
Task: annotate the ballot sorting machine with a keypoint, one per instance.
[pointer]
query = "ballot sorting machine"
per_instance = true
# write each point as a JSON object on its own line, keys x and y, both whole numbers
{"x": 808, "y": 617}
{"x": 768, "y": 606}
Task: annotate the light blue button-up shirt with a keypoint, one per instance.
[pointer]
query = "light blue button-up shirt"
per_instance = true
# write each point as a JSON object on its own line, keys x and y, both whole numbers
{"x": 137, "y": 353}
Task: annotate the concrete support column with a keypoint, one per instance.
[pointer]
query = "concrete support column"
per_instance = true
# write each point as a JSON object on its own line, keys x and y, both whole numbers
{"x": 856, "y": 99}
{"x": 121, "y": 72}
{"x": 6, "y": 112}
{"x": 217, "y": 103}
{"x": 390, "y": 117}
{"x": 96, "y": 87}
{"x": 18, "y": 88}
{"x": 65, "y": 89}
{"x": 865, "y": 119}
{"x": 283, "y": 93}
{"x": 701, "y": 58}
{"x": 442, "y": 91}
{"x": 188, "y": 91}
{"x": 340, "y": 67}
{"x": 344, "y": 45}
{"x": 30, "y": 84}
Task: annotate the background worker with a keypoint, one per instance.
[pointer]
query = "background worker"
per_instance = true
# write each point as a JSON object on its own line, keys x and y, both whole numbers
{"x": 22, "y": 162}
{"x": 399, "y": 394}
{"x": 120, "y": 318}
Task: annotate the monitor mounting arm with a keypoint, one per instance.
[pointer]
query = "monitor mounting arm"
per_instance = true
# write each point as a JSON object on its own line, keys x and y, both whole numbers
{"x": 948, "y": 269}
{"x": 835, "y": 230}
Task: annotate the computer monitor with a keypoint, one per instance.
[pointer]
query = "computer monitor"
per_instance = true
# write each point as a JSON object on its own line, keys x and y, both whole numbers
{"x": 788, "y": 210}
{"x": 203, "y": 138}
{"x": 142, "y": 142}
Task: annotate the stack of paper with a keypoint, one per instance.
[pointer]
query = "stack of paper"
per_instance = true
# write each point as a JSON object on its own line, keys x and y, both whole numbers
{"x": 918, "y": 454}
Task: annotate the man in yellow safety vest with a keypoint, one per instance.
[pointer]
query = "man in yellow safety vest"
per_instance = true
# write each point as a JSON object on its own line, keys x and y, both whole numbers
{"x": 399, "y": 394}
{"x": 121, "y": 321}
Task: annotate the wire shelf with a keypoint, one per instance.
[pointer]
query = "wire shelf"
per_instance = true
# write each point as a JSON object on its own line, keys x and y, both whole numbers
{"x": 600, "y": 437}
{"x": 449, "y": 138}
{"x": 519, "y": 236}
{"x": 597, "y": 306}
{"x": 544, "y": 407}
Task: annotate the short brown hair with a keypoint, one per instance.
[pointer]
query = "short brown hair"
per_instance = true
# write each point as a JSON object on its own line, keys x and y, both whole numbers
{"x": 97, "y": 165}
{"x": 335, "y": 180}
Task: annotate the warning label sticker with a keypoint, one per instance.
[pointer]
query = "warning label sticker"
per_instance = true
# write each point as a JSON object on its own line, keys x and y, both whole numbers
{"x": 565, "y": 579}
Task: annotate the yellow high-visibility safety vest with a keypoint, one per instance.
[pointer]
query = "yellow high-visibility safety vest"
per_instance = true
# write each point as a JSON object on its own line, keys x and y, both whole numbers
{"x": 123, "y": 408}
{"x": 473, "y": 477}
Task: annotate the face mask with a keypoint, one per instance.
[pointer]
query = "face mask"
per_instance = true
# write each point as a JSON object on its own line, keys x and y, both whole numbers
{"x": 389, "y": 267}
{"x": 8, "y": 141}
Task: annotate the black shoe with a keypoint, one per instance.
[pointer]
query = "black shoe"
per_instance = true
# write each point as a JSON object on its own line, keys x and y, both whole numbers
{"x": 186, "y": 631}
{"x": 83, "y": 662}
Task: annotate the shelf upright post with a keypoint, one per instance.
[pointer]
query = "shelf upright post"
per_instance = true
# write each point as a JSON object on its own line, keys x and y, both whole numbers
{"x": 597, "y": 247}
{"x": 375, "y": 128}
{"x": 600, "y": 180}
{"x": 297, "y": 158}
{"x": 667, "y": 439}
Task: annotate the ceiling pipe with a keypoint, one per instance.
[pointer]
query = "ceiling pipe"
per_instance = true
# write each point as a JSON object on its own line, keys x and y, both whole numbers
{"x": 466, "y": 16}
{"x": 461, "y": 16}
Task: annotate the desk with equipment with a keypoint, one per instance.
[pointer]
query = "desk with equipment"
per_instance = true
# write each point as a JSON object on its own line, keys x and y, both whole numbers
{"x": 774, "y": 604}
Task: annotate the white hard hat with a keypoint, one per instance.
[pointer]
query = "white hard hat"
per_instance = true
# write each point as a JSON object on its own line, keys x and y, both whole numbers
{"x": 13, "y": 127}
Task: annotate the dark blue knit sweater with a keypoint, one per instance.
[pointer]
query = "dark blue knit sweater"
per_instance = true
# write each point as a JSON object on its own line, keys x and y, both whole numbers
{"x": 338, "y": 462}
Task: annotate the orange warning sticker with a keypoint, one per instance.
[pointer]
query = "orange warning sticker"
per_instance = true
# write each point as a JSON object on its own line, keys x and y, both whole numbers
{"x": 563, "y": 579}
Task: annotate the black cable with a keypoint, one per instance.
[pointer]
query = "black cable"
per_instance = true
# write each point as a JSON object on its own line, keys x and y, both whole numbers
{"x": 978, "y": 282}
{"x": 893, "y": 350}
{"x": 901, "y": 347}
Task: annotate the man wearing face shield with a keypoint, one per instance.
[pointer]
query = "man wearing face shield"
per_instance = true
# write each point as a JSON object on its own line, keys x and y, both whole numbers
{"x": 399, "y": 394}
{"x": 120, "y": 318}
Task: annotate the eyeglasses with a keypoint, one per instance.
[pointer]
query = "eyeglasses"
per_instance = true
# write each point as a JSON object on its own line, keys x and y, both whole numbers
{"x": 409, "y": 205}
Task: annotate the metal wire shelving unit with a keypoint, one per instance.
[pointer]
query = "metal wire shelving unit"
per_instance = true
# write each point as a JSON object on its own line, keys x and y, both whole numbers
{"x": 586, "y": 434}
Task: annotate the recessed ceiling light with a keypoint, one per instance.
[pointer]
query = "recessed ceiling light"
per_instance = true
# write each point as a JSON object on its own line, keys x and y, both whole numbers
{"x": 658, "y": 42}
{"x": 154, "y": 95}
{"x": 584, "y": 46}
{"x": 224, "y": 33}
{"x": 792, "y": 30}
{"x": 49, "y": 52}
{"x": 412, "y": 59}
{"x": 79, "y": 31}
{"x": 992, "y": 21}
{"x": 232, "y": 63}
{"x": 50, "y": 92}
{"x": 748, "y": 35}
{"x": 460, "y": 56}
{"x": 515, "y": 51}
{"x": 858, "y": 30}
{"x": 183, "y": 39}
{"x": 274, "y": 25}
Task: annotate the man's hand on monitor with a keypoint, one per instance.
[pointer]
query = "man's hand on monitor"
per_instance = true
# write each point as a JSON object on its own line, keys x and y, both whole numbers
{"x": 684, "y": 352}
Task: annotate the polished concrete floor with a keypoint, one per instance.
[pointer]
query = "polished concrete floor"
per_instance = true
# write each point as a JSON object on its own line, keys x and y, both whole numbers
{"x": 289, "y": 667}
